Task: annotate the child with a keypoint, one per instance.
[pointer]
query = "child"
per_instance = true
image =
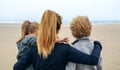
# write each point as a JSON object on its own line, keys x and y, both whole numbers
{"x": 27, "y": 39}
{"x": 81, "y": 30}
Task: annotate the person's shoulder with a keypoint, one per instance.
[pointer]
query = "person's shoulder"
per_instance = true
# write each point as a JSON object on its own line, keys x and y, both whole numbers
{"x": 30, "y": 40}
{"x": 30, "y": 37}
{"x": 62, "y": 45}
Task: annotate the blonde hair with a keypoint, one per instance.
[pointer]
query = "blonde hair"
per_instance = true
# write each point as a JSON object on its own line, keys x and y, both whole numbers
{"x": 27, "y": 28}
{"x": 80, "y": 27}
{"x": 47, "y": 33}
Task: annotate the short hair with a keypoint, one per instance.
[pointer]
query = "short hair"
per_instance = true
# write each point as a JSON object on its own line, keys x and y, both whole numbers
{"x": 80, "y": 27}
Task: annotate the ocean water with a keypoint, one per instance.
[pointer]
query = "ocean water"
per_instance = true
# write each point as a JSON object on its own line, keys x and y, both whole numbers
{"x": 64, "y": 22}
{"x": 98, "y": 22}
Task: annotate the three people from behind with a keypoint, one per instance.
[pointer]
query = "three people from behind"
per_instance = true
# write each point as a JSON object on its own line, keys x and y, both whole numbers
{"x": 49, "y": 55}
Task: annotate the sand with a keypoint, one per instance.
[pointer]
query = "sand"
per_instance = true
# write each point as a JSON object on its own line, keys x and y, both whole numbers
{"x": 108, "y": 34}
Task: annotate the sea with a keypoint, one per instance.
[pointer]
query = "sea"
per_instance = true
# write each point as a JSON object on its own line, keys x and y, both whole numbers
{"x": 65, "y": 22}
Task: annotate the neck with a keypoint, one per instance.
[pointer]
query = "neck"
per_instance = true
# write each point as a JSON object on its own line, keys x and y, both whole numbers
{"x": 32, "y": 34}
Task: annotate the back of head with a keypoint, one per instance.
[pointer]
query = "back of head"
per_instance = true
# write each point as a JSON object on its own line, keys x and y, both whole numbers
{"x": 80, "y": 27}
{"x": 48, "y": 29}
{"x": 24, "y": 28}
{"x": 27, "y": 28}
{"x": 33, "y": 26}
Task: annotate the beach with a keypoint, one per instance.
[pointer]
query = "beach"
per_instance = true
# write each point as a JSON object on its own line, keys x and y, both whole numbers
{"x": 107, "y": 34}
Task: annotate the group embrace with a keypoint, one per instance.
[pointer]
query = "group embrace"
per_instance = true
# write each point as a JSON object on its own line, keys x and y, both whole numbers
{"x": 40, "y": 48}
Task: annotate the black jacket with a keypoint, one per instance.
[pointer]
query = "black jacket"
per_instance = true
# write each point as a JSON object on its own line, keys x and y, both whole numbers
{"x": 60, "y": 56}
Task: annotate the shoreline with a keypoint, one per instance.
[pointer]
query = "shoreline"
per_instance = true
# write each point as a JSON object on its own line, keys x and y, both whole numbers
{"x": 17, "y": 24}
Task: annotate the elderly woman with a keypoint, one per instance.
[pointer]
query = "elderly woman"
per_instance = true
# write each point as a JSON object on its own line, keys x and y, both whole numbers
{"x": 81, "y": 30}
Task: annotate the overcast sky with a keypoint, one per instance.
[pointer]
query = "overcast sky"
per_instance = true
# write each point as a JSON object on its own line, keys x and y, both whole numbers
{"x": 20, "y": 10}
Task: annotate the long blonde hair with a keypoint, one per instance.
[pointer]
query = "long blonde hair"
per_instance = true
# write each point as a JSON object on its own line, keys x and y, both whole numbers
{"x": 47, "y": 33}
{"x": 27, "y": 28}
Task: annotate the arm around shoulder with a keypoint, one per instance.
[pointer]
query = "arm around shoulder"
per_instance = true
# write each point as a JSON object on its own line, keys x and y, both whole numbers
{"x": 76, "y": 56}
{"x": 25, "y": 60}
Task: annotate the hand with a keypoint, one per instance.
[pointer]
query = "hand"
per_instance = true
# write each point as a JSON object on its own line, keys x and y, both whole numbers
{"x": 62, "y": 40}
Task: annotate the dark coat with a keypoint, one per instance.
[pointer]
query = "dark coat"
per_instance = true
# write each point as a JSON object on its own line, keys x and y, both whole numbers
{"x": 59, "y": 57}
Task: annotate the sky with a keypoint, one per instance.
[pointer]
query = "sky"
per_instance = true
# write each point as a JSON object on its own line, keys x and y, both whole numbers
{"x": 20, "y": 10}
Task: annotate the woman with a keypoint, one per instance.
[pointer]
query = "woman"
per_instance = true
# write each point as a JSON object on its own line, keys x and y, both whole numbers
{"x": 81, "y": 28}
{"x": 49, "y": 55}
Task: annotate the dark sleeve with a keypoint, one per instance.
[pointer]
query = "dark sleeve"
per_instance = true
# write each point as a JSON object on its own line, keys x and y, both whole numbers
{"x": 25, "y": 60}
{"x": 76, "y": 56}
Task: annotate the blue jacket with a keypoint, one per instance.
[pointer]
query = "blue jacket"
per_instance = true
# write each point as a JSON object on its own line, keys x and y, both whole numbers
{"x": 23, "y": 46}
{"x": 60, "y": 56}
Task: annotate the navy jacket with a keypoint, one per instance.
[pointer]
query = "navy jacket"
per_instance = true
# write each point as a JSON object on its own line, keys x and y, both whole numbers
{"x": 60, "y": 56}
{"x": 24, "y": 44}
